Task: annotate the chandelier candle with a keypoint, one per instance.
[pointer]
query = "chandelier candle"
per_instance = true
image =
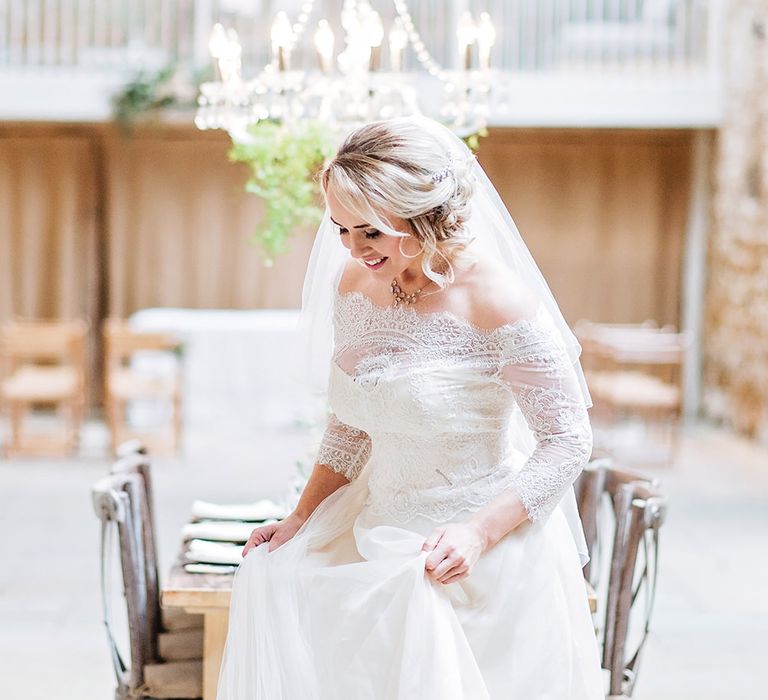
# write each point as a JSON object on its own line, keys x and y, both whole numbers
{"x": 281, "y": 35}
{"x": 466, "y": 33}
{"x": 398, "y": 40}
{"x": 486, "y": 38}
{"x": 324, "y": 41}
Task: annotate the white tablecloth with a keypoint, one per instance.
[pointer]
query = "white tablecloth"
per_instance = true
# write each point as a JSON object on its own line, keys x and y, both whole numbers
{"x": 238, "y": 368}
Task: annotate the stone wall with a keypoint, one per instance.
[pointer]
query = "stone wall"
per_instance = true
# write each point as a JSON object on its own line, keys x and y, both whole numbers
{"x": 736, "y": 321}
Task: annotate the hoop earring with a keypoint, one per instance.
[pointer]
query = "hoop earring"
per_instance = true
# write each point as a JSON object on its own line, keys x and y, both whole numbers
{"x": 405, "y": 255}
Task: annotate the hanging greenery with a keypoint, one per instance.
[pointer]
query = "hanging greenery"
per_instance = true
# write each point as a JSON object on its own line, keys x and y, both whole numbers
{"x": 283, "y": 163}
{"x": 150, "y": 93}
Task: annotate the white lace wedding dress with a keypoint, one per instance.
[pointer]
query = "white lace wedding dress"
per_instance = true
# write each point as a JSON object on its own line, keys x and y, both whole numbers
{"x": 422, "y": 405}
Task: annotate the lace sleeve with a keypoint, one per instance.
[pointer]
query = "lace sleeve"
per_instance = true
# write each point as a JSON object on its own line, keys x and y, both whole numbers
{"x": 344, "y": 449}
{"x": 536, "y": 365}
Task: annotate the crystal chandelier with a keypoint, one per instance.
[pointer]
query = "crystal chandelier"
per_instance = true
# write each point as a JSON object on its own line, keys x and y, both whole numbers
{"x": 365, "y": 80}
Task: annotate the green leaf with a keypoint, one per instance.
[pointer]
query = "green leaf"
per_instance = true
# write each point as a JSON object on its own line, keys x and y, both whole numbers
{"x": 283, "y": 161}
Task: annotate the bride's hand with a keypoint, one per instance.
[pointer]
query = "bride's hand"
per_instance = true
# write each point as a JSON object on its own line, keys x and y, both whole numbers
{"x": 274, "y": 533}
{"x": 454, "y": 550}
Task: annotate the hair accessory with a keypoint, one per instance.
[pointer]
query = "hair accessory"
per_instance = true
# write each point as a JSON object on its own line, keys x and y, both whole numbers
{"x": 440, "y": 175}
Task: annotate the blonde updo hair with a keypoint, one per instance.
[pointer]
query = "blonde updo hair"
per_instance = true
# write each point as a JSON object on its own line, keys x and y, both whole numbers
{"x": 399, "y": 167}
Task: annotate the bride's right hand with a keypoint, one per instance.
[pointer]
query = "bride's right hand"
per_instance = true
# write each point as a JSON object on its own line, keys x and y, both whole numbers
{"x": 274, "y": 533}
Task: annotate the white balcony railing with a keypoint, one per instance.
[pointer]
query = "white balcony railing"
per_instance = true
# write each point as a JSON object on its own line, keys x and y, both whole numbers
{"x": 539, "y": 41}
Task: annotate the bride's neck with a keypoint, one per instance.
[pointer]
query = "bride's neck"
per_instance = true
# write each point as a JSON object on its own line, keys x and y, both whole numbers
{"x": 413, "y": 276}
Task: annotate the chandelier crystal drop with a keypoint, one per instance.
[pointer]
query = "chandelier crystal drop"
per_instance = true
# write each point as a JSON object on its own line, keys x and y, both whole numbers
{"x": 353, "y": 81}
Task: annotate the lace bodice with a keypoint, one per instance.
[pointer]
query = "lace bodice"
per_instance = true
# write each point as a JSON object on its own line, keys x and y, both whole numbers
{"x": 432, "y": 401}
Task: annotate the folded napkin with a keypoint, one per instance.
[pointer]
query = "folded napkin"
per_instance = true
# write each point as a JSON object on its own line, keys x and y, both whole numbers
{"x": 251, "y": 512}
{"x": 204, "y": 552}
{"x": 221, "y": 530}
{"x": 209, "y": 569}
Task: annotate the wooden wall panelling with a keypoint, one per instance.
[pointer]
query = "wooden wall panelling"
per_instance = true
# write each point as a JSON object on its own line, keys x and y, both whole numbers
{"x": 179, "y": 224}
{"x": 603, "y": 213}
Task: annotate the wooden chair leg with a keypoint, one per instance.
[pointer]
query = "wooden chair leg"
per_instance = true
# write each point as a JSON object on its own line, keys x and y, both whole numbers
{"x": 75, "y": 423}
{"x": 109, "y": 416}
{"x": 4, "y": 434}
{"x": 675, "y": 426}
{"x": 16, "y": 414}
{"x": 64, "y": 411}
{"x": 177, "y": 423}
{"x": 119, "y": 408}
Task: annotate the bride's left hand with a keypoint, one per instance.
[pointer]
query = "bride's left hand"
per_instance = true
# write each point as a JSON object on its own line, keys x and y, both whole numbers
{"x": 454, "y": 550}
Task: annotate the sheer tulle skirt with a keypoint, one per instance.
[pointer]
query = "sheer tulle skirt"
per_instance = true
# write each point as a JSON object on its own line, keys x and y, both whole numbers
{"x": 344, "y": 610}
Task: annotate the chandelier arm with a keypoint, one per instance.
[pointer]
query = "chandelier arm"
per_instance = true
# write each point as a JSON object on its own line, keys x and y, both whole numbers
{"x": 422, "y": 53}
{"x": 286, "y": 95}
{"x": 301, "y": 22}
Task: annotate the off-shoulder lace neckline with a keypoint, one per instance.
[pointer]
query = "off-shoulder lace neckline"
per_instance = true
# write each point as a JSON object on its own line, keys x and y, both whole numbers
{"x": 409, "y": 311}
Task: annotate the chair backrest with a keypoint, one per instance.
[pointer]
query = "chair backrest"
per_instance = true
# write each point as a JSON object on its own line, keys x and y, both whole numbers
{"x": 596, "y": 489}
{"x": 117, "y": 502}
{"x": 589, "y": 487}
{"x": 645, "y": 346}
{"x": 121, "y": 341}
{"x": 634, "y": 568}
{"x": 621, "y": 511}
{"x": 34, "y": 342}
{"x": 138, "y": 464}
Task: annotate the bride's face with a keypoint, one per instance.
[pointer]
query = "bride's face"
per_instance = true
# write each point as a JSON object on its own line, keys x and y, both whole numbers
{"x": 378, "y": 252}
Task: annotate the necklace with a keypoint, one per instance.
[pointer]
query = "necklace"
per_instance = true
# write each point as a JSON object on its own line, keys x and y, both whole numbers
{"x": 402, "y": 297}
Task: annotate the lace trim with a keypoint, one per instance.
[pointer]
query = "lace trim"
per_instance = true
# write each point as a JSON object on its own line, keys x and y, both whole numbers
{"x": 358, "y": 299}
{"x": 344, "y": 448}
{"x": 563, "y": 446}
{"x": 359, "y": 318}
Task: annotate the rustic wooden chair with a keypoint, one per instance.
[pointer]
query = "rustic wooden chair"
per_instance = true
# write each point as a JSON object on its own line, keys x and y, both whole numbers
{"x": 635, "y": 371}
{"x": 125, "y": 384}
{"x": 589, "y": 487}
{"x": 178, "y": 634}
{"x": 622, "y": 512}
{"x": 42, "y": 363}
{"x": 117, "y": 500}
{"x": 634, "y": 568}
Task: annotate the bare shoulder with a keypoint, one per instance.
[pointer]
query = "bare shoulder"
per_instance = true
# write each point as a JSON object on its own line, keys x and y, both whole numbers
{"x": 496, "y": 296}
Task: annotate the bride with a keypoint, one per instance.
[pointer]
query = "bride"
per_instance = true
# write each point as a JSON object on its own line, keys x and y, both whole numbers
{"x": 436, "y": 552}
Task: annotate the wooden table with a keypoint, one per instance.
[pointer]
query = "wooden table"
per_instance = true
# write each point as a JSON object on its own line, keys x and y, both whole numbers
{"x": 209, "y": 595}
